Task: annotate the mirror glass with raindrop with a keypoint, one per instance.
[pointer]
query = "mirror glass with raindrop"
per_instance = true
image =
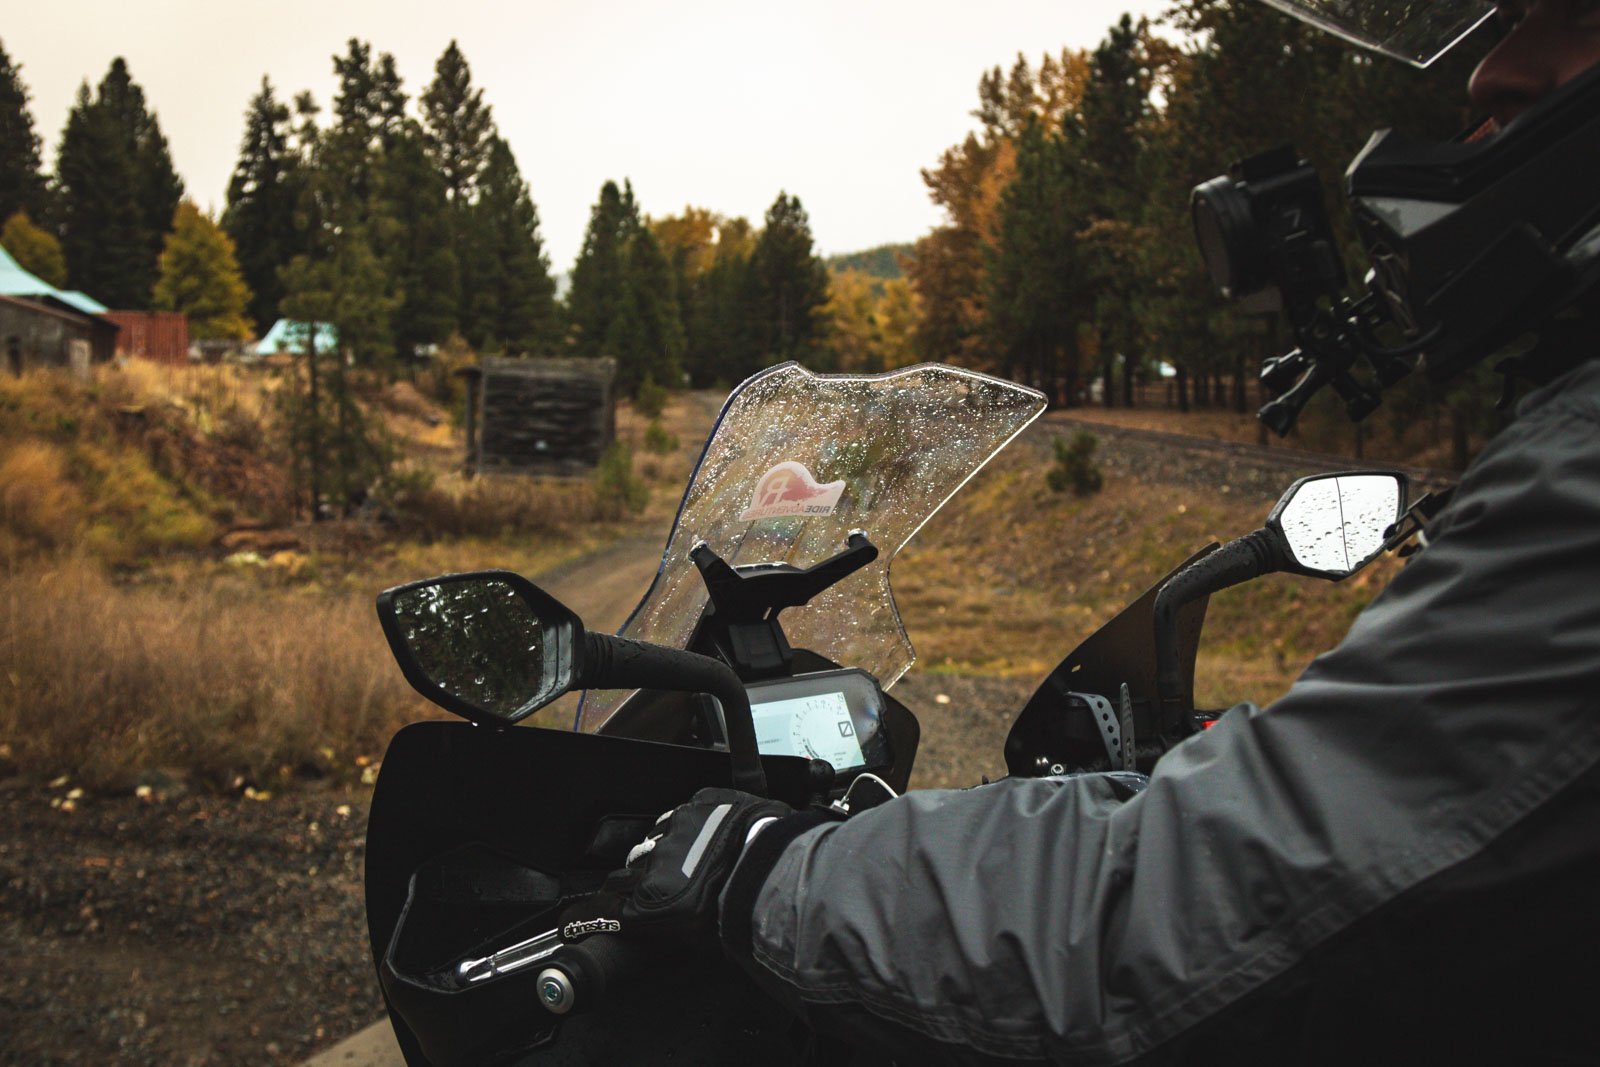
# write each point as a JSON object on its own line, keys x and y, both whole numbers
{"x": 1336, "y": 524}
{"x": 477, "y": 640}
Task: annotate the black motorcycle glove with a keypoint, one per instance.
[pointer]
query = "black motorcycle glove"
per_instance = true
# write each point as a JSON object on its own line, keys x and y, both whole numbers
{"x": 673, "y": 877}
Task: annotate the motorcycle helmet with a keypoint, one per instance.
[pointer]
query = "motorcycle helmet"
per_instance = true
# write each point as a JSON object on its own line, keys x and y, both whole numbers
{"x": 1477, "y": 246}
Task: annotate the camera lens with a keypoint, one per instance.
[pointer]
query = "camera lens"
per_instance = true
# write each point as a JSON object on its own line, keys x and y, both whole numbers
{"x": 1226, "y": 233}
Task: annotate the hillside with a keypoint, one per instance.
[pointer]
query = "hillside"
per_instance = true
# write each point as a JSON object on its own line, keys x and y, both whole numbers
{"x": 880, "y": 262}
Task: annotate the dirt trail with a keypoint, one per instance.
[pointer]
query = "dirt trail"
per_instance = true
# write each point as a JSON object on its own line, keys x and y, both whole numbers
{"x": 604, "y": 586}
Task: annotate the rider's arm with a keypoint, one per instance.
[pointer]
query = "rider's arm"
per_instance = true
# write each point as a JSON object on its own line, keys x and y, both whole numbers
{"x": 1043, "y": 919}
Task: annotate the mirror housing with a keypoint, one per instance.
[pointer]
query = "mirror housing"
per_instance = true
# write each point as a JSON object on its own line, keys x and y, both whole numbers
{"x": 489, "y": 646}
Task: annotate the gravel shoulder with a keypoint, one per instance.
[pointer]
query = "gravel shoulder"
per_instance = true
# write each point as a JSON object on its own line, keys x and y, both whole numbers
{"x": 187, "y": 931}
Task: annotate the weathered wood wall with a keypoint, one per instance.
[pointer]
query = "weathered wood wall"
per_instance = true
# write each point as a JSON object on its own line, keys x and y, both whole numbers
{"x": 540, "y": 416}
{"x": 35, "y": 333}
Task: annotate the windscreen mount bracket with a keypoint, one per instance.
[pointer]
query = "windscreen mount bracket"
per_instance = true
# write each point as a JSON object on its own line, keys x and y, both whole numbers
{"x": 742, "y": 619}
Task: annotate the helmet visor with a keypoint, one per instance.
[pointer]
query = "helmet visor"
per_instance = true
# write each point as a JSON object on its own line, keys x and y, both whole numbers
{"x": 1417, "y": 31}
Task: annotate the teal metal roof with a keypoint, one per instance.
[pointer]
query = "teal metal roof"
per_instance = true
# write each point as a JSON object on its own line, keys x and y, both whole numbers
{"x": 14, "y": 281}
{"x": 287, "y": 335}
{"x": 82, "y": 301}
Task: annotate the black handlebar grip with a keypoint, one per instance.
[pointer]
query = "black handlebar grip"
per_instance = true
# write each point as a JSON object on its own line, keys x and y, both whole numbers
{"x": 582, "y": 975}
{"x": 1238, "y": 561}
{"x": 601, "y": 963}
{"x": 619, "y": 663}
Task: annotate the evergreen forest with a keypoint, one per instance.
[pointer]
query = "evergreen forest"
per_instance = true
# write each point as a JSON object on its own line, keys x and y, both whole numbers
{"x": 403, "y": 225}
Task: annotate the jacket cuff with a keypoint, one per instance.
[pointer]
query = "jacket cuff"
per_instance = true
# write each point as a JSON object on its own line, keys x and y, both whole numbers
{"x": 744, "y": 886}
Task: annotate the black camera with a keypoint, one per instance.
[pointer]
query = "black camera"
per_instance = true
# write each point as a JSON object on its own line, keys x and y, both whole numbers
{"x": 1264, "y": 233}
{"x": 1476, "y": 245}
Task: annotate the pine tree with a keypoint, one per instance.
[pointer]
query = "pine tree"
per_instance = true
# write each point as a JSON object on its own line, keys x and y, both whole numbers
{"x": 599, "y": 277}
{"x": 690, "y": 242}
{"x": 260, "y": 217}
{"x": 1116, "y": 107}
{"x": 512, "y": 296}
{"x": 338, "y": 453}
{"x": 790, "y": 284}
{"x": 370, "y": 104}
{"x": 460, "y": 127}
{"x": 369, "y": 121}
{"x": 1031, "y": 269}
{"x": 646, "y": 335}
{"x": 119, "y": 191}
{"x": 36, "y": 250}
{"x": 353, "y": 183}
{"x": 422, "y": 255}
{"x": 721, "y": 343}
{"x": 200, "y": 277}
{"x": 22, "y": 185}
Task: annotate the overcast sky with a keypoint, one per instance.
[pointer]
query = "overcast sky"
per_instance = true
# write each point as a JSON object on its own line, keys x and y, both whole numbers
{"x": 706, "y": 102}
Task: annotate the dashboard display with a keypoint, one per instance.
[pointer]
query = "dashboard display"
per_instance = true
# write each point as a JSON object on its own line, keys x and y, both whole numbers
{"x": 829, "y": 715}
{"x": 817, "y": 727}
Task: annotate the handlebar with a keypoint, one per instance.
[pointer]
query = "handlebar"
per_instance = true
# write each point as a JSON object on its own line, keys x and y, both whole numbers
{"x": 581, "y": 974}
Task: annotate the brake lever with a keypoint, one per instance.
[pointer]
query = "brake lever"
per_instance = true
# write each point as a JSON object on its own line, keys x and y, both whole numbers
{"x": 511, "y": 958}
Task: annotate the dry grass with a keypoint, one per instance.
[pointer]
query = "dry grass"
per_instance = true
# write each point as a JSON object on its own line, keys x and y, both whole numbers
{"x": 495, "y": 506}
{"x": 38, "y": 504}
{"x": 105, "y": 682}
{"x": 261, "y": 669}
{"x": 125, "y": 470}
{"x": 1009, "y": 578}
{"x": 212, "y": 395}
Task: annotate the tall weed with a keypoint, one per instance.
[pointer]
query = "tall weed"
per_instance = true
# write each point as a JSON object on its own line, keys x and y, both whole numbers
{"x": 105, "y": 682}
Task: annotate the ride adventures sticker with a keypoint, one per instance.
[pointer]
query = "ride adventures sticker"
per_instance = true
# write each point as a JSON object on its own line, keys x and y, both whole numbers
{"x": 789, "y": 489}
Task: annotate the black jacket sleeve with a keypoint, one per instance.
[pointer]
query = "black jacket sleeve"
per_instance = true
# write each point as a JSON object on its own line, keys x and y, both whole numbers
{"x": 1046, "y": 920}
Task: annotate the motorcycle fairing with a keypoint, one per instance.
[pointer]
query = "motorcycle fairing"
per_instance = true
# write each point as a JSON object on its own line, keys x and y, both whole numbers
{"x": 1057, "y": 729}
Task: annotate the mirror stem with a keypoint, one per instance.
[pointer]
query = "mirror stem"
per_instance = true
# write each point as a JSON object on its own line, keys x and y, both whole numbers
{"x": 1240, "y": 560}
{"x": 618, "y": 663}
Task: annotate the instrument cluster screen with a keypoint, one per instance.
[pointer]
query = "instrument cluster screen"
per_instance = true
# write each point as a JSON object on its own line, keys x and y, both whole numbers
{"x": 830, "y": 715}
{"x": 817, "y": 727}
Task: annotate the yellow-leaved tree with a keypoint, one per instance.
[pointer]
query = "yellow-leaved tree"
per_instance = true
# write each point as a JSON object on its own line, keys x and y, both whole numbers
{"x": 36, "y": 250}
{"x": 870, "y": 321}
{"x": 200, "y": 277}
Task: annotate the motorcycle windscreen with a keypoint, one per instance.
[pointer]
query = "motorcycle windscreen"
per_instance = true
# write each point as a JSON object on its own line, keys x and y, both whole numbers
{"x": 1415, "y": 31}
{"x": 797, "y": 461}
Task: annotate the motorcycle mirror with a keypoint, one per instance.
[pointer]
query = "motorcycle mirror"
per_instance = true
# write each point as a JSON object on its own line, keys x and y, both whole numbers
{"x": 489, "y": 645}
{"x": 1325, "y": 526}
{"x": 1332, "y": 525}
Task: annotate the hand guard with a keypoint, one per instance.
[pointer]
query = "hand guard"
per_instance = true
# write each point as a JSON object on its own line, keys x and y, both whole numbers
{"x": 673, "y": 877}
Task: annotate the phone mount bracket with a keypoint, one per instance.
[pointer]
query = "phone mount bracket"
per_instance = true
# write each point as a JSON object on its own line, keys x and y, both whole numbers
{"x": 742, "y": 619}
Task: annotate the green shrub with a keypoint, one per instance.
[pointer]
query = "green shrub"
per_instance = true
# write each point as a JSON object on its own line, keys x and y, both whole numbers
{"x": 616, "y": 488}
{"x": 650, "y": 399}
{"x": 1075, "y": 467}
{"x": 657, "y": 440}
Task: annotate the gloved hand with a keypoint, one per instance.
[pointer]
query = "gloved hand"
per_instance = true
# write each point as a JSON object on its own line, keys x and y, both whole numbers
{"x": 673, "y": 877}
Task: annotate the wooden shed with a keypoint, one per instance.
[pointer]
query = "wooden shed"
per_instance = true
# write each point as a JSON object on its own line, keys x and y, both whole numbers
{"x": 49, "y": 333}
{"x": 539, "y": 416}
